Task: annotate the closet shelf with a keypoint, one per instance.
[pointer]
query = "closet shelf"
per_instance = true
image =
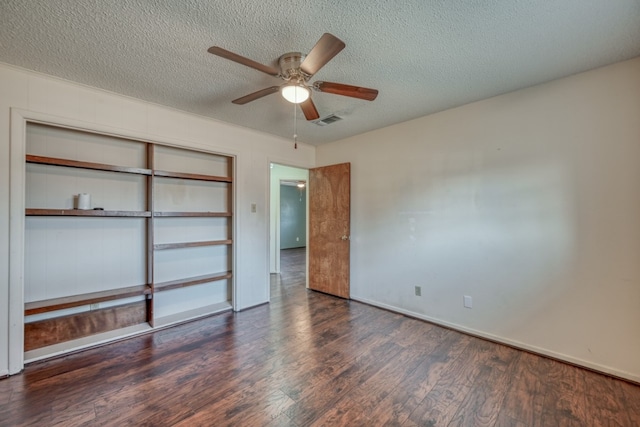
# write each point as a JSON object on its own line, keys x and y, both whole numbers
{"x": 191, "y": 214}
{"x": 85, "y": 165}
{"x": 54, "y": 304}
{"x": 191, "y": 281}
{"x": 194, "y": 176}
{"x": 144, "y": 176}
{"x": 81, "y": 212}
{"x": 162, "y": 246}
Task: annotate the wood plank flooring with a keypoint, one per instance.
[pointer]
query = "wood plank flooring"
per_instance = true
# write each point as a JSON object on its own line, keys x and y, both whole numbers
{"x": 308, "y": 359}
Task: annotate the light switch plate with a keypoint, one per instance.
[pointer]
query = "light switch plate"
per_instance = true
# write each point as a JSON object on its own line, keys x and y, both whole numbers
{"x": 468, "y": 301}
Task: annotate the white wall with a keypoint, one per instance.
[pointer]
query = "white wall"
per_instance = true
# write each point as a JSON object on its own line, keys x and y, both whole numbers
{"x": 279, "y": 173}
{"x": 129, "y": 117}
{"x": 527, "y": 202}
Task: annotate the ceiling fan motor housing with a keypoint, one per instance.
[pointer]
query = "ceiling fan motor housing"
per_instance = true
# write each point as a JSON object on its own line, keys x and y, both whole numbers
{"x": 290, "y": 66}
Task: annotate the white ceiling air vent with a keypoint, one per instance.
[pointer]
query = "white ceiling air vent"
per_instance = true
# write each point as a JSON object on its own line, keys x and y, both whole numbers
{"x": 327, "y": 120}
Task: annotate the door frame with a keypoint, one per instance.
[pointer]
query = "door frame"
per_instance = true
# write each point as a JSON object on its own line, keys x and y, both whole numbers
{"x": 274, "y": 217}
{"x": 19, "y": 119}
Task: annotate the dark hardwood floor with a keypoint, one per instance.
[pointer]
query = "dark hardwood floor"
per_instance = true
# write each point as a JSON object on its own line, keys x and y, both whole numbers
{"x": 311, "y": 359}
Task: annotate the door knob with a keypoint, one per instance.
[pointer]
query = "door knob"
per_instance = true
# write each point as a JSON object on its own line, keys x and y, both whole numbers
{"x": 345, "y": 237}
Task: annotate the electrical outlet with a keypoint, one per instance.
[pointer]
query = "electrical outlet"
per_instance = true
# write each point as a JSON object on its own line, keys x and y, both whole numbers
{"x": 468, "y": 301}
{"x": 418, "y": 291}
{"x": 254, "y": 208}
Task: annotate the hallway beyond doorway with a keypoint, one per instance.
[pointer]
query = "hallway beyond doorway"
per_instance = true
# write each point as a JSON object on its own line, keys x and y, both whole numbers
{"x": 292, "y": 271}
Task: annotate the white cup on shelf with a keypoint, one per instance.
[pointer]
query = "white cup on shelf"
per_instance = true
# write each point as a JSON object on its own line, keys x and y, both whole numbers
{"x": 84, "y": 201}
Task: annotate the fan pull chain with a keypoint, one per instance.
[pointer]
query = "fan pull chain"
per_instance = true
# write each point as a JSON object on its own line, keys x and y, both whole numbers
{"x": 295, "y": 126}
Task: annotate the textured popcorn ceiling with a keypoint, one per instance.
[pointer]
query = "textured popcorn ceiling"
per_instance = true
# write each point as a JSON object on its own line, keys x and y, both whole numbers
{"x": 424, "y": 56}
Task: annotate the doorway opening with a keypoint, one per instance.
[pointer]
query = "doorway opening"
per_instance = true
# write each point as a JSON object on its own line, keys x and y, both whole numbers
{"x": 288, "y": 227}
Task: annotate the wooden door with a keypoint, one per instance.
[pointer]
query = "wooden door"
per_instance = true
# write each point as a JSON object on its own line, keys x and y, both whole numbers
{"x": 329, "y": 229}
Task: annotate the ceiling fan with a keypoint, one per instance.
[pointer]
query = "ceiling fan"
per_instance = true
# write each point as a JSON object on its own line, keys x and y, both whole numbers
{"x": 296, "y": 69}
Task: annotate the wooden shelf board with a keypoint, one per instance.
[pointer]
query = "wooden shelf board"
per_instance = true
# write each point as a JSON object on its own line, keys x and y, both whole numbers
{"x": 82, "y": 212}
{"x": 194, "y": 176}
{"x": 191, "y": 281}
{"x": 54, "y": 330}
{"x": 85, "y": 342}
{"x": 85, "y": 165}
{"x": 84, "y": 299}
{"x": 192, "y": 214}
{"x": 162, "y": 246}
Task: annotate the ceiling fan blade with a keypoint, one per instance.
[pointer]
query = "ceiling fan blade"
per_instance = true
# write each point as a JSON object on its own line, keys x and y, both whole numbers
{"x": 309, "y": 110}
{"x": 242, "y": 60}
{"x": 326, "y": 48}
{"x": 347, "y": 90}
{"x": 255, "y": 95}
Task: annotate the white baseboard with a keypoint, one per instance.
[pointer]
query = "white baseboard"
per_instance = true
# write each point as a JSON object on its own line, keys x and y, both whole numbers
{"x": 512, "y": 343}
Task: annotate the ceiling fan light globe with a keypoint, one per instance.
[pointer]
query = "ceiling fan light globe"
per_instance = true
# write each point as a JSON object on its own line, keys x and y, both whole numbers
{"x": 295, "y": 93}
